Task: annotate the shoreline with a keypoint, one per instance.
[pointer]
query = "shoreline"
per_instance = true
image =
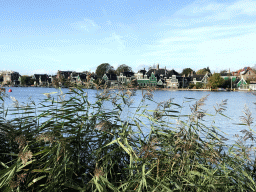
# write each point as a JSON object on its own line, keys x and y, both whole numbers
{"x": 152, "y": 88}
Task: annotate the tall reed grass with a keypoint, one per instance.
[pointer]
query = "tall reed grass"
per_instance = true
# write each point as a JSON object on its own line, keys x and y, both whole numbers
{"x": 75, "y": 145}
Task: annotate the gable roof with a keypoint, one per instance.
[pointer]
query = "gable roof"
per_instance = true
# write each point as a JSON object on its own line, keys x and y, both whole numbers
{"x": 171, "y": 73}
{"x": 143, "y": 71}
{"x": 44, "y": 77}
{"x": 65, "y": 74}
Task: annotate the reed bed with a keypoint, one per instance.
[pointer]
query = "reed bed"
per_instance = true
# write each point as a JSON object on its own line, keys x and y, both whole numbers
{"x": 75, "y": 145}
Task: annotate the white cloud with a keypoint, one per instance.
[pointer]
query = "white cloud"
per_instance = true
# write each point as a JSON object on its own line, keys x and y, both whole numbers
{"x": 208, "y": 11}
{"x": 86, "y": 25}
{"x": 207, "y": 33}
{"x": 243, "y": 7}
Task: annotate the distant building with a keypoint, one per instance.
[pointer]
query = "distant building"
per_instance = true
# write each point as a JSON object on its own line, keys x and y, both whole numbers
{"x": 199, "y": 78}
{"x": 125, "y": 77}
{"x": 144, "y": 81}
{"x": 110, "y": 79}
{"x": 11, "y": 77}
{"x": 77, "y": 77}
{"x": 64, "y": 74}
{"x": 41, "y": 79}
{"x": 172, "y": 82}
{"x": 245, "y": 73}
{"x": 252, "y": 85}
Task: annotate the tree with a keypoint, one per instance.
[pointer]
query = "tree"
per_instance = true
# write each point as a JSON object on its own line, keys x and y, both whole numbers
{"x": 223, "y": 71}
{"x": 203, "y": 71}
{"x": 123, "y": 68}
{"x": 199, "y": 85}
{"x": 187, "y": 71}
{"x": 226, "y": 84}
{"x": 215, "y": 81}
{"x": 104, "y": 68}
{"x": 25, "y": 80}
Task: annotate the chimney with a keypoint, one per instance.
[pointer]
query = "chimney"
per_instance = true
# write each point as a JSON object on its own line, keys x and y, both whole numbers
{"x": 157, "y": 66}
{"x": 191, "y": 73}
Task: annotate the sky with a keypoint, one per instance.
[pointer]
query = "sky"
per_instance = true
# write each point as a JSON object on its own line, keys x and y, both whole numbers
{"x": 44, "y": 36}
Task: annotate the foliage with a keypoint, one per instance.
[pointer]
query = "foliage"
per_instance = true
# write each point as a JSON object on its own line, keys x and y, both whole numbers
{"x": 123, "y": 68}
{"x": 227, "y": 84}
{"x": 187, "y": 71}
{"x": 77, "y": 145}
{"x": 199, "y": 85}
{"x": 134, "y": 82}
{"x": 203, "y": 71}
{"x": 215, "y": 81}
{"x": 104, "y": 68}
{"x": 191, "y": 85}
{"x": 26, "y": 80}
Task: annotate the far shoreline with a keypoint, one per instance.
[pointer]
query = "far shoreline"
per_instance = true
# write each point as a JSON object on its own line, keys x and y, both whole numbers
{"x": 152, "y": 88}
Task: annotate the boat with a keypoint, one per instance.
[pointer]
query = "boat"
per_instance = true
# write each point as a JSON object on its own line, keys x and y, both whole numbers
{"x": 221, "y": 89}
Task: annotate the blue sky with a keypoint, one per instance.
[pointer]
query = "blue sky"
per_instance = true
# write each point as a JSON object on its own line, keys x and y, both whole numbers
{"x": 49, "y": 35}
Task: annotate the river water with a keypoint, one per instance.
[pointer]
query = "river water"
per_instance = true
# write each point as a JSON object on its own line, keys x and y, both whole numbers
{"x": 236, "y": 102}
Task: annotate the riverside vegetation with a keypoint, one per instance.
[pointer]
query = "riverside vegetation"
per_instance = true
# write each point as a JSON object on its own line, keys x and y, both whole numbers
{"x": 77, "y": 145}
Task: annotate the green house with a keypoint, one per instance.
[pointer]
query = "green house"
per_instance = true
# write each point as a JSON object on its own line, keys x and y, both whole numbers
{"x": 152, "y": 80}
{"x": 145, "y": 82}
{"x": 242, "y": 84}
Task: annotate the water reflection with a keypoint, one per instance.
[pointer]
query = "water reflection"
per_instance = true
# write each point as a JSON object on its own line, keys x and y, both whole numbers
{"x": 235, "y": 105}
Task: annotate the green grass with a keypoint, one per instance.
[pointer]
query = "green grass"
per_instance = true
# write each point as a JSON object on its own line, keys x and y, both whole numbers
{"x": 83, "y": 146}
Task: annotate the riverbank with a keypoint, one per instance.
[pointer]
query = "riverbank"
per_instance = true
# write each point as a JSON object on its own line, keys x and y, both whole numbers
{"x": 137, "y": 88}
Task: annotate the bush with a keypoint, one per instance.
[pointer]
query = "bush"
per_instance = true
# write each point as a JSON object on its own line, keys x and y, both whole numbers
{"x": 83, "y": 146}
{"x": 199, "y": 85}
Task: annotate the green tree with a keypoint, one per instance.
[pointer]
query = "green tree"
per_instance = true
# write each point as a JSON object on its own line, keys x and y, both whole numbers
{"x": 25, "y": 80}
{"x": 104, "y": 68}
{"x": 227, "y": 84}
{"x": 199, "y": 85}
{"x": 215, "y": 81}
{"x": 203, "y": 71}
{"x": 123, "y": 68}
{"x": 187, "y": 71}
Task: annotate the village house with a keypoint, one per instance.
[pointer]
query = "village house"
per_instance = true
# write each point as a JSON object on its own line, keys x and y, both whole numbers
{"x": 11, "y": 77}
{"x": 241, "y": 83}
{"x": 199, "y": 78}
{"x": 110, "y": 80}
{"x": 245, "y": 73}
{"x": 124, "y": 78}
{"x": 77, "y": 77}
{"x": 146, "y": 81}
{"x": 40, "y": 79}
{"x": 228, "y": 76}
{"x": 63, "y": 74}
{"x": 172, "y": 82}
{"x": 252, "y": 85}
